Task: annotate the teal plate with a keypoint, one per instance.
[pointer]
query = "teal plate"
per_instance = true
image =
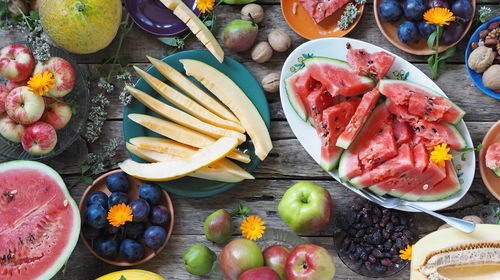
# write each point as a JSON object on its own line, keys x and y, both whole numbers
{"x": 189, "y": 186}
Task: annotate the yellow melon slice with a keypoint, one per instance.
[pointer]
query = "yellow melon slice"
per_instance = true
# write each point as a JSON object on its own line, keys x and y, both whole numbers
{"x": 182, "y": 134}
{"x": 194, "y": 91}
{"x": 179, "y": 150}
{"x": 214, "y": 171}
{"x": 182, "y": 117}
{"x": 196, "y": 26}
{"x": 452, "y": 254}
{"x": 234, "y": 98}
{"x": 185, "y": 103}
{"x": 170, "y": 170}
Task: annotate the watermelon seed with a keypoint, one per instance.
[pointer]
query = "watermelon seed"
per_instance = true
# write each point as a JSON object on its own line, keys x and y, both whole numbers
{"x": 65, "y": 202}
{"x": 348, "y": 45}
{"x": 434, "y": 130}
{"x": 425, "y": 187}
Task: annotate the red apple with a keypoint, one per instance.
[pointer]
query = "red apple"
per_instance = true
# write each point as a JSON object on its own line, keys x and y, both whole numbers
{"x": 238, "y": 256}
{"x": 3, "y": 95}
{"x": 259, "y": 273}
{"x": 56, "y": 114}
{"x": 62, "y": 71}
{"x": 10, "y": 129}
{"x": 309, "y": 262}
{"x": 24, "y": 106}
{"x": 16, "y": 62}
{"x": 275, "y": 258}
{"x": 12, "y": 85}
{"x": 39, "y": 139}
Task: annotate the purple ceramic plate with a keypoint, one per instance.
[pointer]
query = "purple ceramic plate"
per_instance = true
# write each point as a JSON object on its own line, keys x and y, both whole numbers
{"x": 155, "y": 18}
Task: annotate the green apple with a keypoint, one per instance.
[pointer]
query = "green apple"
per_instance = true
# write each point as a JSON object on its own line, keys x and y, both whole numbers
{"x": 238, "y": 256}
{"x": 306, "y": 207}
{"x": 199, "y": 259}
{"x": 218, "y": 226}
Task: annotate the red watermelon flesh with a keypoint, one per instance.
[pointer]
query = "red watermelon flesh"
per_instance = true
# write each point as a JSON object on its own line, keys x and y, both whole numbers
{"x": 37, "y": 225}
{"x": 338, "y": 77}
{"x": 432, "y": 175}
{"x": 401, "y": 112}
{"x": 402, "y": 131}
{"x": 334, "y": 121}
{"x": 492, "y": 158}
{"x": 298, "y": 87}
{"x": 379, "y": 147}
{"x": 435, "y": 133}
{"x": 428, "y": 108}
{"x": 388, "y": 169}
{"x": 375, "y": 65}
{"x": 318, "y": 10}
{"x": 448, "y": 185}
{"x": 357, "y": 121}
{"x": 317, "y": 101}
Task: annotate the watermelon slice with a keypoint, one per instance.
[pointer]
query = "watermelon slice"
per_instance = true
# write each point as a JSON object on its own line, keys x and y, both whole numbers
{"x": 338, "y": 76}
{"x": 429, "y": 178}
{"x": 402, "y": 131}
{"x": 318, "y": 10}
{"x": 334, "y": 122}
{"x": 298, "y": 87}
{"x": 374, "y": 65}
{"x": 492, "y": 158}
{"x": 446, "y": 187}
{"x": 390, "y": 168}
{"x": 316, "y": 102}
{"x": 434, "y": 133}
{"x": 40, "y": 221}
{"x": 357, "y": 121}
{"x": 400, "y": 111}
{"x": 430, "y": 104}
{"x": 376, "y": 140}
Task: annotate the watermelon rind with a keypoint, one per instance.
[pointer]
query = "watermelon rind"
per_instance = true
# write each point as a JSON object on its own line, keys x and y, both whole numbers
{"x": 337, "y": 63}
{"x": 385, "y": 82}
{"x": 497, "y": 171}
{"x": 458, "y": 135}
{"x": 70, "y": 246}
{"x": 377, "y": 190}
{"x": 297, "y": 104}
{"x": 427, "y": 197}
{"x": 343, "y": 166}
{"x": 332, "y": 163}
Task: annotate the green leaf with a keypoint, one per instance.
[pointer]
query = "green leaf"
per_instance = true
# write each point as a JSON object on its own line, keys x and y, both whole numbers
{"x": 122, "y": 278}
{"x": 208, "y": 23}
{"x": 447, "y": 54}
{"x": 172, "y": 41}
{"x": 34, "y": 15}
{"x": 431, "y": 40}
{"x": 124, "y": 60}
{"x": 442, "y": 65}
{"x": 87, "y": 180}
{"x": 85, "y": 168}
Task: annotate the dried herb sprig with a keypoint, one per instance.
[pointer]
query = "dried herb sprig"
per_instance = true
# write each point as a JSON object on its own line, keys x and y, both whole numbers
{"x": 96, "y": 163}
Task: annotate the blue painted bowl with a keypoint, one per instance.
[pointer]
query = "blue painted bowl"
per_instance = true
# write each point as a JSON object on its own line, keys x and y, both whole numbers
{"x": 189, "y": 186}
{"x": 477, "y": 78}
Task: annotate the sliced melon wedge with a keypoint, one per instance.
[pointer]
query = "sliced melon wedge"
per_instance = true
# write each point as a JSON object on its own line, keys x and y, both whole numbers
{"x": 182, "y": 134}
{"x": 196, "y": 26}
{"x": 182, "y": 117}
{"x": 214, "y": 171}
{"x": 170, "y": 170}
{"x": 195, "y": 92}
{"x": 234, "y": 98}
{"x": 179, "y": 150}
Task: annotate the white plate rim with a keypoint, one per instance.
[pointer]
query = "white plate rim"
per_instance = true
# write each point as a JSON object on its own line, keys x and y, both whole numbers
{"x": 303, "y": 131}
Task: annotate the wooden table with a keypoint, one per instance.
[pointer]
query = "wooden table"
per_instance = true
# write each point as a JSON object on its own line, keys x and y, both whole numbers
{"x": 286, "y": 164}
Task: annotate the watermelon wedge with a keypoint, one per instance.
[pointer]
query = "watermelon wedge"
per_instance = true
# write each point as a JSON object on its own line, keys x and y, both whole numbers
{"x": 318, "y": 10}
{"x": 357, "y": 121}
{"x": 334, "y": 121}
{"x": 435, "y": 133}
{"x": 432, "y": 191}
{"x": 298, "y": 87}
{"x": 316, "y": 102}
{"x": 492, "y": 158}
{"x": 402, "y": 131}
{"x": 388, "y": 169}
{"x": 338, "y": 76}
{"x": 374, "y": 65}
{"x": 430, "y": 105}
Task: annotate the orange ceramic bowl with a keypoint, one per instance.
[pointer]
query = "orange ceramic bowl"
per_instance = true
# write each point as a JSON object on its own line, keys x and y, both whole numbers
{"x": 304, "y": 25}
{"x": 100, "y": 185}
{"x": 390, "y": 31}
{"x": 491, "y": 180}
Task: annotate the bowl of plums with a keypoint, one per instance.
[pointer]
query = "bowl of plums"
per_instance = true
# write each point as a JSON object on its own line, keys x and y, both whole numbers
{"x": 125, "y": 221}
{"x": 370, "y": 238}
{"x": 402, "y": 23}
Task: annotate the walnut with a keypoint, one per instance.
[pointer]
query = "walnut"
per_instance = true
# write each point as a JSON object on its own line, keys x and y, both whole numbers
{"x": 261, "y": 52}
{"x": 480, "y": 59}
{"x": 252, "y": 12}
{"x": 279, "y": 40}
{"x": 474, "y": 219}
{"x": 491, "y": 78}
{"x": 271, "y": 82}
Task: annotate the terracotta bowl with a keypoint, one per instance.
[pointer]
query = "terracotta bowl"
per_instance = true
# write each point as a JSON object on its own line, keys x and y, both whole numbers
{"x": 100, "y": 185}
{"x": 304, "y": 25}
{"x": 390, "y": 31}
{"x": 491, "y": 180}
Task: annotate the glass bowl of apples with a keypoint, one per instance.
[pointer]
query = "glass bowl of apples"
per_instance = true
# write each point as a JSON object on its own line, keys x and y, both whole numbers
{"x": 35, "y": 126}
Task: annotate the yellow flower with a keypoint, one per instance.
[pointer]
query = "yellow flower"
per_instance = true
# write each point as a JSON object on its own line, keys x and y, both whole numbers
{"x": 252, "y": 227}
{"x": 119, "y": 214}
{"x": 406, "y": 253}
{"x": 439, "y": 16}
{"x": 205, "y": 5}
{"x": 41, "y": 82}
{"x": 440, "y": 154}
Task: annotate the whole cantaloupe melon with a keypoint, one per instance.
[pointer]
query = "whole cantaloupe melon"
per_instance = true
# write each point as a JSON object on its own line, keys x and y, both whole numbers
{"x": 81, "y": 26}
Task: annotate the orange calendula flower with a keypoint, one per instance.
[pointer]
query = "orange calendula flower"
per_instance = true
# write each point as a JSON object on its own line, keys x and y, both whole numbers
{"x": 252, "y": 227}
{"x": 439, "y": 16}
{"x": 406, "y": 253}
{"x": 40, "y": 83}
{"x": 205, "y": 5}
{"x": 440, "y": 153}
{"x": 119, "y": 214}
